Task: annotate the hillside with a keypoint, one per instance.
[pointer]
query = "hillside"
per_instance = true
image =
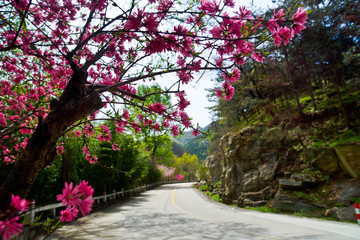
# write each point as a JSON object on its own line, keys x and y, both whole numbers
{"x": 280, "y": 160}
{"x": 192, "y": 145}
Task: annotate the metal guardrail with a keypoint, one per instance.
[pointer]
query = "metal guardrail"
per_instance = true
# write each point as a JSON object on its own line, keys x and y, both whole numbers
{"x": 98, "y": 199}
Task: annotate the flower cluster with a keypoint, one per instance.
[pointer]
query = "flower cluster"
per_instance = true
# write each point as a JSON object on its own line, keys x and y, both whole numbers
{"x": 75, "y": 199}
{"x": 12, "y": 226}
{"x": 179, "y": 177}
{"x": 166, "y": 171}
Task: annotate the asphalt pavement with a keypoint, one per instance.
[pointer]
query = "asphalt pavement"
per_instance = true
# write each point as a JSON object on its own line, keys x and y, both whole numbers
{"x": 180, "y": 212}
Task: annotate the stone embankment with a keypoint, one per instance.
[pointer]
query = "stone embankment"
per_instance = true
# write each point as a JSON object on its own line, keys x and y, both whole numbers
{"x": 260, "y": 166}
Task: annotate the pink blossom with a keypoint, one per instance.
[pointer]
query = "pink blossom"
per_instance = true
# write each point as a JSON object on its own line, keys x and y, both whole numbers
{"x": 300, "y": 16}
{"x": 2, "y": 120}
{"x": 283, "y": 34}
{"x": 157, "y": 107}
{"x": 114, "y": 147}
{"x": 244, "y": 13}
{"x": 167, "y": 171}
{"x": 70, "y": 196}
{"x": 181, "y": 61}
{"x": 166, "y": 123}
{"x": 140, "y": 117}
{"x": 8, "y": 159}
{"x": 24, "y": 143}
{"x": 296, "y": 29}
{"x": 229, "y": 3}
{"x": 164, "y": 5}
{"x": 183, "y": 102}
{"x": 179, "y": 177}
{"x": 272, "y": 24}
{"x": 120, "y": 129}
{"x": 257, "y": 57}
{"x": 134, "y": 20}
{"x": 60, "y": 149}
{"x": 91, "y": 159}
{"x": 69, "y": 214}
{"x": 175, "y": 130}
{"x": 156, "y": 127}
{"x": 6, "y": 151}
{"x": 218, "y": 93}
{"x": 148, "y": 122}
{"x": 209, "y": 7}
{"x": 185, "y": 76}
{"x": 228, "y": 90}
{"x": 18, "y": 204}
{"x": 232, "y": 77}
{"x": 185, "y": 119}
{"x": 85, "y": 205}
{"x": 85, "y": 189}
{"x": 126, "y": 114}
{"x": 151, "y": 22}
{"x": 195, "y": 132}
{"x": 9, "y": 228}
{"x": 88, "y": 131}
{"x": 78, "y": 198}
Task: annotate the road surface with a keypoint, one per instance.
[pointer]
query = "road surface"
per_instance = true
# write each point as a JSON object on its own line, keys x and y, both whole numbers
{"x": 180, "y": 212}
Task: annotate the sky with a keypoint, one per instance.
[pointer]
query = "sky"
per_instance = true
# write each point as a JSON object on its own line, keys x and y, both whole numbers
{"x": 196, "y": 92}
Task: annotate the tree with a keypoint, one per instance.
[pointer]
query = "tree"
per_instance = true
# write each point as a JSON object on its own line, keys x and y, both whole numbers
{"x": 187, "y": 165}
{"x": 64, "y": 62}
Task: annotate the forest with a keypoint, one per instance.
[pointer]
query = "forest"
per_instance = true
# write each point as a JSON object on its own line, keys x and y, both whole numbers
{"x": 289, "y": 139}
{"x": 313, "y": 81}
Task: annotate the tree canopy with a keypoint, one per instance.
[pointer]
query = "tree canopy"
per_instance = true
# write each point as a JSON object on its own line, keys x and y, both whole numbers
{"x": 66, "y": 64}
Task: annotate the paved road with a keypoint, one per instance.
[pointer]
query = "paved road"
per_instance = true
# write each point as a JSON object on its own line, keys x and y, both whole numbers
{"x": 179, "y": 212}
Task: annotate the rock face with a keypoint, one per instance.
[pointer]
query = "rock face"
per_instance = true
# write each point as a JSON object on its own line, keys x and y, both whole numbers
{"x": 346, "y": 214}
{"x": 324, "y": 159}
{"x": 215, "y": 165}
{"x": 349, "y": 158}
{"x": 254, "y": 166}
{"x": 289, "y": 203}
{"x": 249, "y": 165}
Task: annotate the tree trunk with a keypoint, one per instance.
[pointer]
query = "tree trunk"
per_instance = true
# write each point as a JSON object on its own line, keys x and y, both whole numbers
{"x": 66, "y": 165}
{"x": 76, "y": 103}
{"x": 290, "y": 75}
{"x": 308, "y": 80}
{"x": 342, "y": 105}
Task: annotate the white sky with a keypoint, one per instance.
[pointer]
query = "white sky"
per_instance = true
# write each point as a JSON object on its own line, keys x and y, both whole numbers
{"x": 196, "y": 92}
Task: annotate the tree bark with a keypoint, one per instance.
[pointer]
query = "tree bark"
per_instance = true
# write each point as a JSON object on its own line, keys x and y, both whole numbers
{"x": 66, "y": 165}
{"x": 76, "y": 103}
{"x": 290, "y": 75}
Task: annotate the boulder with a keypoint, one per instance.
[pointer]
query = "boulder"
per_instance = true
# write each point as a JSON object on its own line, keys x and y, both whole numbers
{"x": 307, "y": 179}
{"x": 324, "y": 159}
{"x": 292, "y": 184}
{"x": 349, "y": 192}
{"x": 349, "y": 158}
{"x": 251, "y": 181}
{"x": 346, "y": 214}
{"x": 331, "y": 211}
{"x": 267, "y": 172}
{"x": 251, "y": 203}
{"x": 215, "y": 164}
{"x": 289, "y": 203}
{"x": 270, "y": 157}
{"x": 255, "y": 198}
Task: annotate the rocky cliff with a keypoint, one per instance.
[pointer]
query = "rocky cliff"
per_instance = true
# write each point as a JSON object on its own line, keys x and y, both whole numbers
{"x": 260, "y": 166}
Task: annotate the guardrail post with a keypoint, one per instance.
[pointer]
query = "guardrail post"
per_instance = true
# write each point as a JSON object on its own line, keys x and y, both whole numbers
{"x": 104, "y": 193}
{"x": 123, "y": 192}
{"x": 31, "y": 204}
{"x": 357, "y": 212}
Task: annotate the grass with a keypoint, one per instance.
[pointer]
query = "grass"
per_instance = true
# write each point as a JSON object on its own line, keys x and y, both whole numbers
{"x": 264, "y": 209}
